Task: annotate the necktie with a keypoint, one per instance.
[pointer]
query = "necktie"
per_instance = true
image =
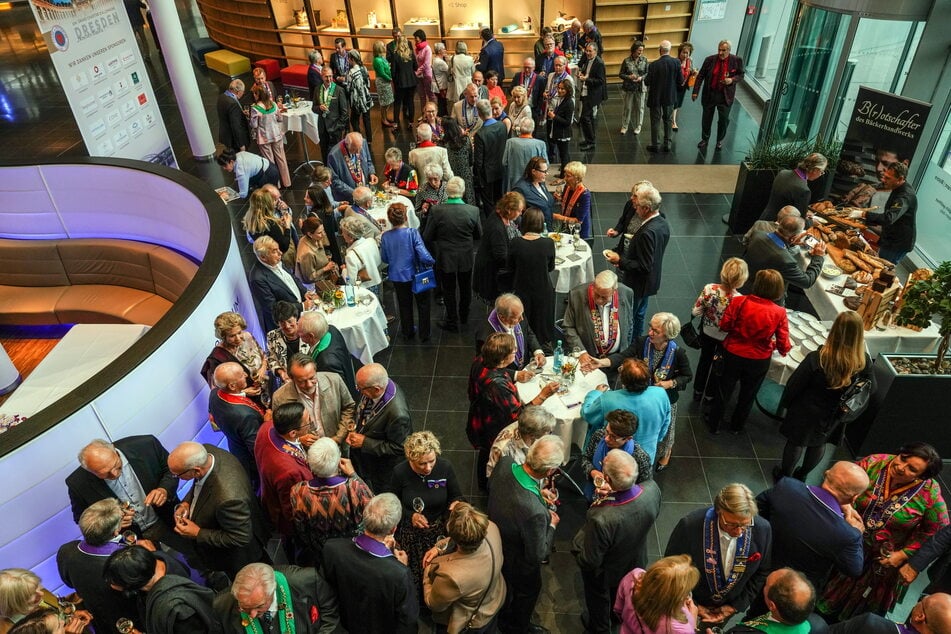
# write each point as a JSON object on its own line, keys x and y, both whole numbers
{"x": 266, "y": 621}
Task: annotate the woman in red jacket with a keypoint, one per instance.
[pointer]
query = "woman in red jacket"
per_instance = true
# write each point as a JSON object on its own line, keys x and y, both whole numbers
{"x": 755, "y": 325}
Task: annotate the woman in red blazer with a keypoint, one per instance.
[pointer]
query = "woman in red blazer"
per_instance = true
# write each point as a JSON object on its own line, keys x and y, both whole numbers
{"x": 755, "y": 325}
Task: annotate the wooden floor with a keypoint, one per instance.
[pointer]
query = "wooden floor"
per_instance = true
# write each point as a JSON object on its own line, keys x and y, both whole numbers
{"x": 28, "y": 345}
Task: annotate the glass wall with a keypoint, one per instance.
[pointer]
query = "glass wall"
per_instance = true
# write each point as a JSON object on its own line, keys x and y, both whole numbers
{"x": 934, "y": 199}
{"x": 764, "y": 50}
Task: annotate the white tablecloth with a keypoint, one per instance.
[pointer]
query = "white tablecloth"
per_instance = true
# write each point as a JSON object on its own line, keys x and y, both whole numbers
{"x": 379, "y": 213}
{"x": 572, "y": 267}
{"x": 301, "y": 119}
{"x": 566, "y": 408}
{"x": 363, "y": 327}
{"x": 85, "y": 350}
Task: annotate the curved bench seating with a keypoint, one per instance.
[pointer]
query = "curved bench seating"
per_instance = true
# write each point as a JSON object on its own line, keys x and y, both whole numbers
{"x": 89, "y": 280}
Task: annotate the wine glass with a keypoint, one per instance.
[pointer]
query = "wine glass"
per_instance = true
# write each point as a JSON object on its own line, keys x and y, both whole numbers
{"x": 124, "y": 625}
{"x": 129, "y": 537}
{"x": 418, "y": 505}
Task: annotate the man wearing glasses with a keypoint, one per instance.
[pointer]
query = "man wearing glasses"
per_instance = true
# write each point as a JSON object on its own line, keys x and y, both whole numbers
{"x": 718, "y": 77}
{"x": 731, "y": 547}
{"x": 791, "y": 187}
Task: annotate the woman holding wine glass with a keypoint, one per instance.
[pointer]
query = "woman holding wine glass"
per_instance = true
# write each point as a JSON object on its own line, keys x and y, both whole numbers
{"x": 428, "y": 488}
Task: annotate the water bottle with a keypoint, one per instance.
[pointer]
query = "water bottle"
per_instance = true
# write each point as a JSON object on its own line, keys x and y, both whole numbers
{"x": 287, "y": 98}
{"x": 349, "y": 292}
{"x": 559, "y": 353}
{"x": 545, "y": 230}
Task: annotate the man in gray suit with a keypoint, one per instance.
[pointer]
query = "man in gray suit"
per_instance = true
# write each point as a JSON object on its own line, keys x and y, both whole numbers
{"x": 486, "y": 165}
{"x": 220, "y": 511}
{"x": 774, "y": 251}
{"x": 450, "y": 234}
{"x": 599, "y": 318}
{"x": 613, "y": 540}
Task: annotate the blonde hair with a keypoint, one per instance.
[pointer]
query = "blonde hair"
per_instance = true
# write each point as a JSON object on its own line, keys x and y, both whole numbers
{"x": 844, "y": 351}
{"x": 734, "y": 274}
{"x": 519, "y": 94}
{"x": 467, "y": 526}
{"x": 260, "y": 212}
{"x": 736, "y": 498}
{"x": 664, "y": 588}
{"x": 403, "y": 49}
{"x": 228, "y": 321}
{"x": 420, "y": 443}
{"x": 18, "y": 586}
{"x": 510, "y": 205}
{"x": 379, "y": 49}
{"x": 576, "y": 169}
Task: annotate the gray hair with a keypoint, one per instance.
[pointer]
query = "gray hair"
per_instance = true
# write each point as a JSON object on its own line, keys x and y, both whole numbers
{"x": 588, "y": 24}
{"x": 535, "y": 421}
{"x": 728, "y": 43}
{"x": 362, "y": 195}
{"x": 664, "y": 46}
{"x": 621, "y": 469}
{"x": 736, "y": 498}
{"x": 323, "y": 457}
{"x": 484, "y": 107}
{"x": 606, "y": 280}
{"x": 95, "y": 445}
{"x": 381, "y": 514}
{"x": 433, "y": 169}
{"x": 374, "y": 374}
{"x": 263, "y": 244}
{"x": 101, "y": 520}
{"x": 352, "y": 138}
{"x": 393, "y": 154}
{"x": 526, "y": 126}
{"x": 193, "y": 454}
{"x": 505, "y": 304}
{"x": 315, "y": 55}
{"x": 462, "y": 48}
{"x": 791, "y": 226}
{"x": 814, "y": 161}
{"x": 424, "y": 132}
{"x": 648, "y": 196}
{"x": 356, "y": 227}
{"x": 236, "y": 85}
{"x": 669, "y": 324}
{"x": 455, "y": 187}
{"x": 438, "y": 48}
{"x": 251, "y": 577}
{"x": 547, "y": 453}
{"x": 313, "y": 322}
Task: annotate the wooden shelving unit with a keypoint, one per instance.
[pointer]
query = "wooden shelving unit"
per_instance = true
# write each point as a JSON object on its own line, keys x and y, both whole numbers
{"x": 243, "y": 26}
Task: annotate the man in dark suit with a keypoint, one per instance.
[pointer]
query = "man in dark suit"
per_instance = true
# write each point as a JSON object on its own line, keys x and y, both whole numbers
{"x": 527, "y": 527}
{"x": 774, "y": 251}
{"x": 663, "y": 78}
{"x": 815, "y": 527}
{"x": 717, "y": 77}
{"x": 791, "y": 187}
{"x": 232, "y": 124}
{"x": 450, "y": 234}
{"x": 329, "y": 349}
{"x": 931, "y": 615}
{"x": 237, "y": 416}
{"x": 270, "y": 283}
{"x": 373, "y": 581}
{"x": 351, "y": 165}
{"x": 898, "y": 218}
{"x": 220, "y": 512}
{"x": 789, "y": 600}
{"x": 742, "y": 544}
{"x": 532, "y": 82}
{"x": 937, "y": 548}
{"x": 506, "y": 316}
{"x": 640, "y": 259}
{"x": 594, "y": 91}
{"x": 492, "y": 55}
{"x": 487, "y": 170}
{"x": 134, "y": 470}
{"x": 613, "y": 540}
{"x": 299, "y": 594}
{"x": 611, "y": 300}
{"x": 382, "y": 424}
{"x": 333, "y": 111}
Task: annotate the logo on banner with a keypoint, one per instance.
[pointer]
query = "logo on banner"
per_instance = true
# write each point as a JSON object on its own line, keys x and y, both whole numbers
{"x": 59, "y": 37}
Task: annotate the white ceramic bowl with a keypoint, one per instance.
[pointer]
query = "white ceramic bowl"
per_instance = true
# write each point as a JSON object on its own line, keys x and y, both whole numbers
{"x": 831, "y": 272}
{"x": 808, "y": 345}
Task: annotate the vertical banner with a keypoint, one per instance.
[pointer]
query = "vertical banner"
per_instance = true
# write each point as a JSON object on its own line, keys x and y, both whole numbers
{"x": 99, "y": 64}
{"x": 884, "y": 128}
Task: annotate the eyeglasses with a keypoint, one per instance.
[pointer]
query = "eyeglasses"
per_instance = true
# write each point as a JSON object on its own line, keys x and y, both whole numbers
{"x": 610, "y": 434}
{"x": 538, "y": 169}
{"x": 745, "y": 524}
{"x": 179, "y": 475}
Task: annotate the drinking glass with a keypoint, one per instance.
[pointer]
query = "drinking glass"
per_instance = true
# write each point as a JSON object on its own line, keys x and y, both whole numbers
{"x": 418, "y": 505}
{"x": 124, "y": 626}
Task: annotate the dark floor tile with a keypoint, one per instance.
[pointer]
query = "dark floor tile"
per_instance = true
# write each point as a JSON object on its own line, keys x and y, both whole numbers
{"x": 683, "y": 481}
{"x": 450, "y": 428}
{"x": 724, "y": 444}
{"x": 463, "y": 463}
{"x": 449, "y": 394}
{"x": 454, "y": 361}
{"x": 416, "y": 390}
{"x": 684, "y": 443}
{"x": 412, "y": 360}
{"x": 562, "y": 590}
{"x": 723, "y": 471}
{"x": 670, "y": 514}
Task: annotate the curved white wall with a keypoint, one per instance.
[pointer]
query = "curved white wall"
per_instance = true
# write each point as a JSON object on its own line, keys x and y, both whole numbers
{"x": 164, "y": 395}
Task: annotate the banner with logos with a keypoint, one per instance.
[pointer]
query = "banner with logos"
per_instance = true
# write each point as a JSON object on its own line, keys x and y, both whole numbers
{"x": 100, "y": 66}
{"x": 884, "y": 128}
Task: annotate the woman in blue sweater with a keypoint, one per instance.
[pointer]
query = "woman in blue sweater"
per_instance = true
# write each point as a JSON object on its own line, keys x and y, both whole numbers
{"x": 403, "y": 250}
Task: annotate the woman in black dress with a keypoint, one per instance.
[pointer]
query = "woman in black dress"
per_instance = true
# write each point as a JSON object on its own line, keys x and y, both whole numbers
{"x": 812, "y": 395}
{"x": 560, "y": 111}
{"x": 490, "y": 276}
{"x": 403, "y": 64}
{"x": 459, "y": 148}
{"x": 428, "y": 489}
{"x": 531, "y": 259}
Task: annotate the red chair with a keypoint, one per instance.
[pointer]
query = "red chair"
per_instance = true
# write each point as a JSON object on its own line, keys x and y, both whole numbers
{"x": 271, "y": 68}
{"x": 295, "y": 76}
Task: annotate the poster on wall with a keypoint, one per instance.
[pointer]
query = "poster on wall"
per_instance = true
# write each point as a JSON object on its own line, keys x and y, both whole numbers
{"x": 884, "y": 128}
{"x": 95, "y": 54}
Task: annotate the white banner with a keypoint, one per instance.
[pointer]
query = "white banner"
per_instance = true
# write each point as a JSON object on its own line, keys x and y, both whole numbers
{"x": 103, "y": 75}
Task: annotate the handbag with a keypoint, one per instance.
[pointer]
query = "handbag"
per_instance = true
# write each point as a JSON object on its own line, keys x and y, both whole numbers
{"x": 854, "y": 400}
{"x": 423, "y": 280}
{"x": 690, "y": 334}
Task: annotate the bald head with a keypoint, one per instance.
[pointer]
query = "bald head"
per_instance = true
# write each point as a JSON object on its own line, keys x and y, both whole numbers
{"x": 99, "y": 458}
{"x": 372, "y": 375}
{"x": 846, "y": 481}
{"x": 363, "y": 196}
{"x": 187, "y": 457}
{"x": 791, "y": 226}
{"x": 354, "y": 142}
{"x": 230, "y": 377}
{"x": 932, "y": 615}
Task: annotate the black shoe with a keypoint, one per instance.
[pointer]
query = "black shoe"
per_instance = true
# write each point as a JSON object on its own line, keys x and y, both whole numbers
{"x": 702, "y": 145}
{"x": 697, "y": 396}
{"x": 653, "y": 149}
{"x": 661, "y": 467}
{"x": 448, "y": 325}
{"x": 665, "y": 148}
{"x": 719, "y": 145}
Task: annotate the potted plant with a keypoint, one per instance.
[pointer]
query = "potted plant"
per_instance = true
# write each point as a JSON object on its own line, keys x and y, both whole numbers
{"x": 765, "y": 158}
{"x": 928, "y": 298}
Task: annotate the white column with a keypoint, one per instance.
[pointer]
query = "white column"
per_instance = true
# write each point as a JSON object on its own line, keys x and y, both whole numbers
{"x": 178, "y": 60}
{"x": 9, "y": 375}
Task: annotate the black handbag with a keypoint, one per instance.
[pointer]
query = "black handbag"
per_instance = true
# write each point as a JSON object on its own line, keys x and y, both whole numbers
{"x": 690, "y": 334}
{"x": 854, "y": 400}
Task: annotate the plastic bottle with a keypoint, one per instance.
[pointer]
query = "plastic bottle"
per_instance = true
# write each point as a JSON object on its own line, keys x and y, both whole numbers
{"x": 545, "y": 230}
{"x": 287, "y": 98}
{"x": 559, "y": 353}
{"x": 349, "y": 292}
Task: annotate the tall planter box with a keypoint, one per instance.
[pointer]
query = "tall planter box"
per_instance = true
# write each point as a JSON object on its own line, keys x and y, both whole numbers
{"x": 749, "y": 197}
{"x": 905, "y": 407}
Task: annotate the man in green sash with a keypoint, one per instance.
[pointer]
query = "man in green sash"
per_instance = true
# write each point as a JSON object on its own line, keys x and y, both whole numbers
{"x": 790, "y": 599}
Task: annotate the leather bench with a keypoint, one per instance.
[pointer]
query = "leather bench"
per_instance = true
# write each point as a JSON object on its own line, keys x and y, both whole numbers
{"x": 201, "y": 45}
{"x": 89, "y": 280}
{"x": 295, "y": 76}
{"x": 228, "y": 63}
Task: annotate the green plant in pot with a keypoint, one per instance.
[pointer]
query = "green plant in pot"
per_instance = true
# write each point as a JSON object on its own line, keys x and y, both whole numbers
{"x": 926, "y": 299}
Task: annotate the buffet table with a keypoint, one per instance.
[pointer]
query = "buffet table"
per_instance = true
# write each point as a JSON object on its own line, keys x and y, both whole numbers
{"x": 83, "y": 352}
{"x": 566, "y": 408}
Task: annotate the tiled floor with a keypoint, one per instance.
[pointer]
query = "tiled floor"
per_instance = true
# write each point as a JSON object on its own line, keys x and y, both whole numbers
{"x": 36, "y": 124}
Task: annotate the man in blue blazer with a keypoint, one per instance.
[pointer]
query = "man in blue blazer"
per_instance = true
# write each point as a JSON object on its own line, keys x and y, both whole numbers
{"x": 741, "y": 543}
{"x": 271, "y": 283}
{"x": 492, "y": 55}
{"x": 815, "y": 527}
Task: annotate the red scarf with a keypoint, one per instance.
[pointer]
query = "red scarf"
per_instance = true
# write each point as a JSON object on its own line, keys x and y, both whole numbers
{"x": 720, "y": 72}
{"x": 570, "y": 200}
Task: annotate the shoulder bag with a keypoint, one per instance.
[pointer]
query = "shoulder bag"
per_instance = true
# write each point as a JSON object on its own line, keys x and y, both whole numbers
{"x": 423, "y": 280}
{"x": 475, "y": 612}
{"x": 854, "y": 400}
{"x": 690, "y": 334}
